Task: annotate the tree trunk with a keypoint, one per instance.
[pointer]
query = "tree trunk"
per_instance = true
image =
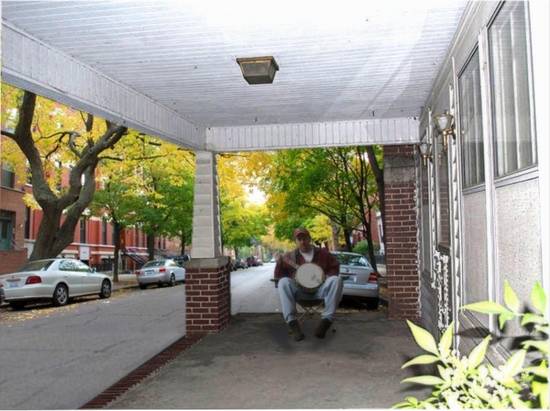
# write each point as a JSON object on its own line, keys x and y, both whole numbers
{"x": 347, "y": 234}
{"x": 368, "y": 235}
{"x": 151, "y": 246}
{"x": 182, "y": 239}
{"x": 117, "y": 230}
{"x": 46, "y": 237}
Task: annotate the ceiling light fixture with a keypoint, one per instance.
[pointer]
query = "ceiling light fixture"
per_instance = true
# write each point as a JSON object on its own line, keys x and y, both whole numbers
{"x": 258, "y": 70}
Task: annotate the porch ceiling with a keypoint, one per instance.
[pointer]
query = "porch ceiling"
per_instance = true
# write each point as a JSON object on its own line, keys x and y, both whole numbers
{"x": 345, "y": 60}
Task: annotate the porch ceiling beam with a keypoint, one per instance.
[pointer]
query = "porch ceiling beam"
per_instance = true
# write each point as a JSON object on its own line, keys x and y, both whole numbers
{"x": 387, "y": 131}
{"x": 30, "y": 64}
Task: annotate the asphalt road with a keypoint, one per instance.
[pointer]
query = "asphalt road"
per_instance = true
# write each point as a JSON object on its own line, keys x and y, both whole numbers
{"x": 252, "y": 292}
{"x": 63, "y": 357}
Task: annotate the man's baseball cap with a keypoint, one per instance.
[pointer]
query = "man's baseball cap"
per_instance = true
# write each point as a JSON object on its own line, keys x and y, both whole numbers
{"x": 301, "y": 230}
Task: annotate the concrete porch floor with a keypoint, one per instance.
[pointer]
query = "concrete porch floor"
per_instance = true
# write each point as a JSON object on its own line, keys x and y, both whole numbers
{"x": 256, "y": 364}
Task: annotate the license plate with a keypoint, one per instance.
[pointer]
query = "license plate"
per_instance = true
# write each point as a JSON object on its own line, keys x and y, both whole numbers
{"x": 149, "y": 272}
{"x": 13, "y": 284}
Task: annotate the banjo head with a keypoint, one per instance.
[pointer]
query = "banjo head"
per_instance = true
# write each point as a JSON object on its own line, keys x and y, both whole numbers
{"x": 310, "y": 277}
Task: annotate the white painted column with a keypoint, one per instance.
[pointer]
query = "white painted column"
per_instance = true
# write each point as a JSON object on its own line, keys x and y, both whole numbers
{"x": 206, "y": 210}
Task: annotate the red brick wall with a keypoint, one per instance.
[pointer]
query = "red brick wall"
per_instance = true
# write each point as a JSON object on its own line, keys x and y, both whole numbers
{"x": 401, "y": 240}
{"x": 208, "y": 305}
{"x": 12, "y": 260}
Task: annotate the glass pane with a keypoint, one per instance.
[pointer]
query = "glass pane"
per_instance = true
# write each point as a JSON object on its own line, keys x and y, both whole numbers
{"x": 510, "y": 85}
{"x": 40, "y": 265}
{"x": 471, "y": 124}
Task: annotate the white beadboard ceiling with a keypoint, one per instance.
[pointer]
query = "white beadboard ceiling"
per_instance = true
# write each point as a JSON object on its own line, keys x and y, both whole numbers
{"x": 339, "y": 60}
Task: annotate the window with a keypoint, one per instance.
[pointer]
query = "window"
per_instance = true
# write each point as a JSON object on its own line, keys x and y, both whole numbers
{"x": 8, "y": 177}
{"x": 508, "y": 47}
{"x": 27, "y": 222}
{"x": 103, "y": 232}
{"x": 471, "y": 124}
{"x": 7, "y": 220}
{"x": 82, "y": 230}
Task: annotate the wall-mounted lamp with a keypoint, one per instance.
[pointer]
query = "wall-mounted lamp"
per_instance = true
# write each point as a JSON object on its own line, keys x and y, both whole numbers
{"x": 445, "y": 126}
{"x": 425, "y": 149}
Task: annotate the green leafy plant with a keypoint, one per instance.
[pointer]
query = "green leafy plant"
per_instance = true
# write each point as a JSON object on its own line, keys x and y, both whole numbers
{"x": 470, "y": 381}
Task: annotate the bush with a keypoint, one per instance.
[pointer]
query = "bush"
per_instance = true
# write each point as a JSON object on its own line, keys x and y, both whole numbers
{"x": 471, "y": 382}
{"x": 362, "y": 247}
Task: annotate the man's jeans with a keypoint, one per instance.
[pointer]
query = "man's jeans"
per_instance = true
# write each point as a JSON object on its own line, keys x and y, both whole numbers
{"x": 330, "y": 292}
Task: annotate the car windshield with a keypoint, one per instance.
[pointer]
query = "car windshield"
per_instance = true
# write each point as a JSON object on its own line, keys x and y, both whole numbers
{"x": 352, "y": 259}
{"x": 155, "y": 263}
{"x": 40, "y": 265}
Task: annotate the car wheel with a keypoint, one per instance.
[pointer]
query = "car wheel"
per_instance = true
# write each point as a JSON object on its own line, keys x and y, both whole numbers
{"x": 143, "y": 286}
{"x": 60, "y": 295}
{"x": 372, "y": 303}
{"x": 105, "y": 289}
{"x": 172, "y": 280}
{"x": 17, "y": 305}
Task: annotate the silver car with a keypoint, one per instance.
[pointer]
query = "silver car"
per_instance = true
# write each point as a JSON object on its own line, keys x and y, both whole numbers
{"x": 359, "y": 277}
{"x": 165, "y": 271}
{"x": 56, "y": 279}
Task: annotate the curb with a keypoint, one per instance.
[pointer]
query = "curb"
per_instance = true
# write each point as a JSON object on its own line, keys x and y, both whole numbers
{"x": 143, "y": 371}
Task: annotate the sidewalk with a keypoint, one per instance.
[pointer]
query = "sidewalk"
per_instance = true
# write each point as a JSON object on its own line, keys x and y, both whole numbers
{"x": 255, "y": 364}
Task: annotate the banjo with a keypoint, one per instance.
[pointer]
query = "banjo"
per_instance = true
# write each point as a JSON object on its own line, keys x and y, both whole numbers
{"x": 308, "y": 276}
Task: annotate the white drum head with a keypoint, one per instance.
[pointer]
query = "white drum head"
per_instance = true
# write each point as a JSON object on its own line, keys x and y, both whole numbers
{"x": 310, "y": 276}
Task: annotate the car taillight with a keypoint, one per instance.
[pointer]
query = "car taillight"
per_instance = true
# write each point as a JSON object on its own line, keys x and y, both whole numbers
{"x": 373, "y": 277}
{"x": 33, "y": 279}
{"x": 138, "y": 272}
{"x": 161, "y": 270}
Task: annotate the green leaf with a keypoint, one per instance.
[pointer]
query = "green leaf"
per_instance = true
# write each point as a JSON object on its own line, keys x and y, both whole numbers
{"x": 478, "y": 353}
{"x": 486, "y": 307}
{"x": 421, "y": 359}
{"x": 481, "y": 392}
{"x": 424, "y": 380}
{"x": 538, "y": 297}
{"x": 423, "y": 338}
{"x": 530, "y": 318}
{"x": 502, "y": 318}
{"x": 446, "y": 340}
{"x": 514, "y": 364}
{"x": 542, "y": 346}
{"x": 510, "y": 297}
{"x": 539, "y": 371}
{"x": 544, "y": 403}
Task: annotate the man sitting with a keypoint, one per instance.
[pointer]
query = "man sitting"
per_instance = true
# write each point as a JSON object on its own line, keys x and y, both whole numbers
{"x": 289, "y": 291}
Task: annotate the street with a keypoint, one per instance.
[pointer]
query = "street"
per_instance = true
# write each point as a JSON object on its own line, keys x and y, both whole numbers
{"x": 253, "y": 292}
{"x": 66, "y": 357}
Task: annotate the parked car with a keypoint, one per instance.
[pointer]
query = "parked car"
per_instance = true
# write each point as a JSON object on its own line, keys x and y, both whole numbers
{"x": 359, "y": 277}
{"x": 164, "y": 271}
{"x": 239, "y": 263}
{"x": 253, "y": 261}
{"x": 55, "y": 279}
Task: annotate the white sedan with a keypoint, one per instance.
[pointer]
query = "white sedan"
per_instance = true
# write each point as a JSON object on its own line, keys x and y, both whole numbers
{"x": 165, "y": 271}
{"x": 55, "y": 279}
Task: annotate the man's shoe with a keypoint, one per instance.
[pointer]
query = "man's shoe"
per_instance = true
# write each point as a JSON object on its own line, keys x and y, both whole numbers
{"x": 322, "y": 328}
{"x": 296, "y": 330}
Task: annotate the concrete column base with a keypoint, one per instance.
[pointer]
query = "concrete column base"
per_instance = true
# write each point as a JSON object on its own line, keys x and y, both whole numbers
{"x": 208, "y": 296}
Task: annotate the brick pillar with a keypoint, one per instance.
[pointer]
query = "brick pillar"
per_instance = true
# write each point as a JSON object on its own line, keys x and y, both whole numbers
{"x": 208, "y": 298}
{"x": 400, "y": 232}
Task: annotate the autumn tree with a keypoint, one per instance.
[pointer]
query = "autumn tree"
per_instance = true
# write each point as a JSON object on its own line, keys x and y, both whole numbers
{"x": 50, "y": 136}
